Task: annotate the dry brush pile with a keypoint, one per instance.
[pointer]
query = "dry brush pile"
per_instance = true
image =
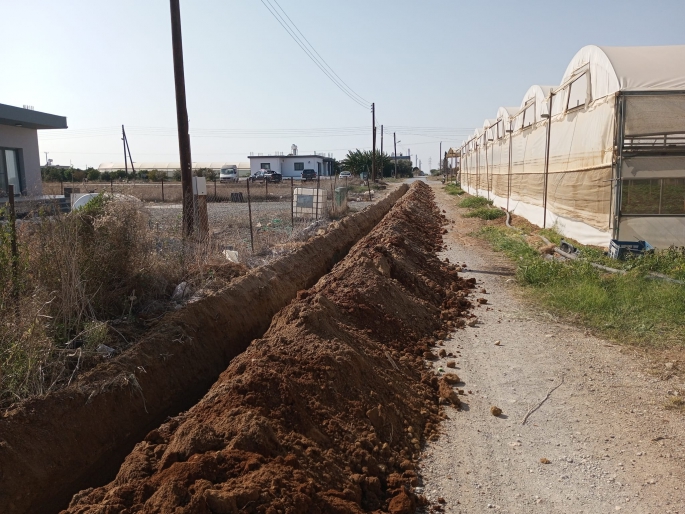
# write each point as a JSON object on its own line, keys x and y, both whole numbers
{"x": 325, "y": 413}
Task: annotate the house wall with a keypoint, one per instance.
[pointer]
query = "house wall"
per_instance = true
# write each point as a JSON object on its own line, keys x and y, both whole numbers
{"x": 26, "y": 140}
{"x": 256, "y": 164}
{"x": 286, "y": 164}
{"x": 310, "y": 163}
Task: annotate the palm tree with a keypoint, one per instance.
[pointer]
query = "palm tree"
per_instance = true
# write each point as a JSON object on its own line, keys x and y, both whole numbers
{"x": 361, "y": 160}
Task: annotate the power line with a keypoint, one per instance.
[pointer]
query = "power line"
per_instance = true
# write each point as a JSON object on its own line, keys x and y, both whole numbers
{"x": 317, "y": 53}
{"x": 340, "y": 85}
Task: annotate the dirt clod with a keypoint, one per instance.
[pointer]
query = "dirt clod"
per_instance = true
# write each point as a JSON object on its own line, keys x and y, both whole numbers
{"x": 451, "y": 364}
{"x": 451, "y": 378}
{"x": 495, "y": 411}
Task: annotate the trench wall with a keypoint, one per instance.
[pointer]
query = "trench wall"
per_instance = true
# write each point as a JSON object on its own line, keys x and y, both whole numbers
{"x": 54, "y": 446}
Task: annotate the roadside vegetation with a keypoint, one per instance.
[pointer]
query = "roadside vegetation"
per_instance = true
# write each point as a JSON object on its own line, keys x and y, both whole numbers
{"x": 631, "y": 308}
{"x": 454, "y": 189}
{"x": 87, "y": 284}
{"x": 481, "y": 208}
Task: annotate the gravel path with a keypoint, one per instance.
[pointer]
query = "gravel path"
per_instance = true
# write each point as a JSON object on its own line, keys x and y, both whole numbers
{"x": 610, "y": 443}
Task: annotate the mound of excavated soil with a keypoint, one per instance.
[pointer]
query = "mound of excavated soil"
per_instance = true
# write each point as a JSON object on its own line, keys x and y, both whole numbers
{"x": 326, "y": 413}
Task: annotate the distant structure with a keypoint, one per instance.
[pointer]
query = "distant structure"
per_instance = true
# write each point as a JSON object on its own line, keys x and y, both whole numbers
{"x": 293, "y": 164}
{"x": 19, "y": 156}
{"x": 171, "y": 167}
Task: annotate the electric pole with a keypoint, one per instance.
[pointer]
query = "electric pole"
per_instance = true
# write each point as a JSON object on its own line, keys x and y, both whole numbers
{"x": 373, "y": 126}
{"x": 381, "y": 140}
{"x": 182, "y": 120}
{"x": 440, "y": 154}
{"x": 127, "y": 147}
{"x": 123, "y": 138}
{"x": 394, "y": 143}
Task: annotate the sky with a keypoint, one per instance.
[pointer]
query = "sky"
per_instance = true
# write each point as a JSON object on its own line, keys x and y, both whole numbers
{"x": 434, "y": 68}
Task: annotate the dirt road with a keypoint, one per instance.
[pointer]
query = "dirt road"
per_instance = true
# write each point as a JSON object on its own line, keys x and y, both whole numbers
{"x": 610, "y": 443}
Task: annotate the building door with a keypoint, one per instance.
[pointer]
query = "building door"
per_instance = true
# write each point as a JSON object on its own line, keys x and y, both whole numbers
{"x": 9, "y": 171}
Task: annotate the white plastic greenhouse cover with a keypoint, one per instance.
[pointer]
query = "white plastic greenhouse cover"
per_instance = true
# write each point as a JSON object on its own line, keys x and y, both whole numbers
{"x": 631, "y": 68}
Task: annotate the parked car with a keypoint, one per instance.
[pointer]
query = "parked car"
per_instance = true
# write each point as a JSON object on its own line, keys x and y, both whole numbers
{"x": 345, "y": 174}
{"x": 228, "y": 175}
{"x": 273, "y": 176}
{"x": 308, "y": 175}
{"x": 259, "y": 175}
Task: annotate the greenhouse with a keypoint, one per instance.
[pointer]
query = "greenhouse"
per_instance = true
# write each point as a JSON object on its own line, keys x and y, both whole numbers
{"x": 600, "y": 156}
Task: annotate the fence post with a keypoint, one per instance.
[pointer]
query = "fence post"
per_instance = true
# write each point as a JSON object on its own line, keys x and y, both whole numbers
{"x": 15, "y": 252}
{"x": 162, "y": 189}
{"x": 318, "y": 183}
{"x": 266, "y": 189}
{"x": 215, "y": 198}
{"x": 292, "y": 203}
{"x": 249, "y": 213}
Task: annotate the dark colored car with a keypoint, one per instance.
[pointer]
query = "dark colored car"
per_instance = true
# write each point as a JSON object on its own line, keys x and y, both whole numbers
{"x": 308, "y": 175}
{"x": 260, "y": 175}
{"x": 273, "y": 176}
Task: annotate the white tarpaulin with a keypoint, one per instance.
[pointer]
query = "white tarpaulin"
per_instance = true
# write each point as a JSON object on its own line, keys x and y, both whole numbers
{"x": 578, "y": 186}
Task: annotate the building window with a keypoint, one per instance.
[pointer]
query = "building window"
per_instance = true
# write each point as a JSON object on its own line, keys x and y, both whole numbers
{"x": 653, "y": 196}
{"x": 577, "y": 93}
{"x": 9, "y": 171}
{"x": 265, "y": 166}
{"x": 299, "y": 166}
{"x": 529, "y": 115}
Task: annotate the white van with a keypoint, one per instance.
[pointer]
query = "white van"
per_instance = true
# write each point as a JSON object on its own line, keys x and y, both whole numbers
{"x": 228, "y": 174}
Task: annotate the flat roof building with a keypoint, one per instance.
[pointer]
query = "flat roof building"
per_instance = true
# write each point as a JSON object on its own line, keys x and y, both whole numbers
{"x": 19, "y": 155}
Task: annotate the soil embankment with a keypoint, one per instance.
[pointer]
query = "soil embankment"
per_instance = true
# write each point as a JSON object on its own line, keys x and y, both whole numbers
{"x": 325, "y": 413}
{"x": 53, "y": 446}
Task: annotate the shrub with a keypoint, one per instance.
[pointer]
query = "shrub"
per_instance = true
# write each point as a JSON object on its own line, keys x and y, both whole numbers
{"x": 473, "y": 202}
{"x": 454, "y": 189}
{"x": 485, "y": 213}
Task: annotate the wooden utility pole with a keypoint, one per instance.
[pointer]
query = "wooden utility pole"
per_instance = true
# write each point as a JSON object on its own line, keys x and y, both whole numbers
{"x": 128, "y": 148}
{"x": 373, "y": 155}
{"x": 123, "y": 139}
{"x": 394, "y": 142}
{"x": 182, "y": 120}
{"x": 441, "y": 170}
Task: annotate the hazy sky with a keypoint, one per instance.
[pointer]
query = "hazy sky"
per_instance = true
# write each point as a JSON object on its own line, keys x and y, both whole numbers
{"x": 435, "y": 69}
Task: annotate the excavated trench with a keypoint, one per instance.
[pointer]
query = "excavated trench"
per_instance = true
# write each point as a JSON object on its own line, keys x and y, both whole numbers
{"x": 54, "y": 446}
{"x": 327, "y": 412}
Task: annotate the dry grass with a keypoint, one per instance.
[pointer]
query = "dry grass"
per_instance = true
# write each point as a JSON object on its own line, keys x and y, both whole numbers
{"x": 96, "y": 277}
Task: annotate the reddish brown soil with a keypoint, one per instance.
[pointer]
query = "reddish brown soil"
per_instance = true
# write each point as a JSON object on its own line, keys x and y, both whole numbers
{"x": 324, "y": 414}
{"x": 53, "y": 446}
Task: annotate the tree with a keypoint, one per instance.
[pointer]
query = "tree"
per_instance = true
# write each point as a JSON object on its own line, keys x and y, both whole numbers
{"x": 93, "y": 174}
{"x": 360, "y": 161}
{"x": 207, "y": 173}
{"x": 106, "y": 176}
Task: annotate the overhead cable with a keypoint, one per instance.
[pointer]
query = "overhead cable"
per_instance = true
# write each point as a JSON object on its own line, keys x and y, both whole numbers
{"x": 332, "y": 76}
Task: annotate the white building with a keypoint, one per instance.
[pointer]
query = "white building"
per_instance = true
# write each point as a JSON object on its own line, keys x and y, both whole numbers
{"x": 19, "y": 156}
{"x": 293, "y": 165}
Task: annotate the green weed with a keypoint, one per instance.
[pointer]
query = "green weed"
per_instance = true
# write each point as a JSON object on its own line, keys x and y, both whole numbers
{"x": 473, "y": 202}
{"x": 485, "y": 213}
{"x": 454, "y": 189}
{"x": 629, "y": 308}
